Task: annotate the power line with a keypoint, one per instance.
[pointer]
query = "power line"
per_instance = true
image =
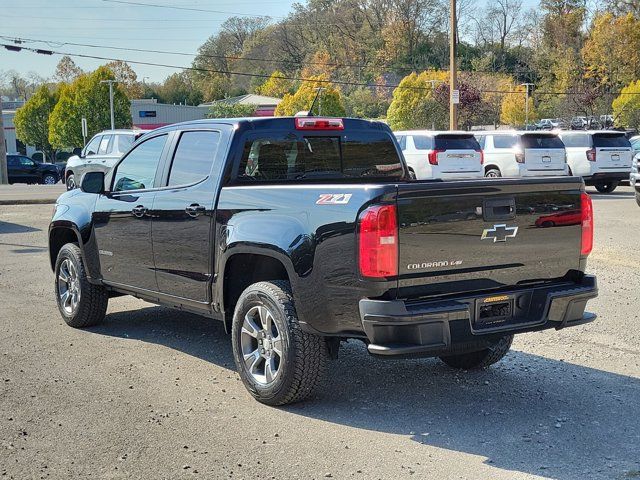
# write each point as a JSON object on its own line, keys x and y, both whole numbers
{"x": 190, "y": 9}
{"x": 15, "y": 48}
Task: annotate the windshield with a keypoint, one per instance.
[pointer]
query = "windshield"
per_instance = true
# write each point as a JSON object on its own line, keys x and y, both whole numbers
{"x": 357, "y": 155}
{"x": 610, "y": 140}
{"x": 456, "y": 142}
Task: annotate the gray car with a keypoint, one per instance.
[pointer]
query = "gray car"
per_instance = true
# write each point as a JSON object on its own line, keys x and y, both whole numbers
{"x": 100, "y": 154}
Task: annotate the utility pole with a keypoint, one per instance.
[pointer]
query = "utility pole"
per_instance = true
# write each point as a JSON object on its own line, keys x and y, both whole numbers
{"x": 526, "y": 103}
{"x": 4, "y": 175}
{"x": 319, "y": 94}
{"x": 111, "y": 82}
{"x": 453, "y": 87}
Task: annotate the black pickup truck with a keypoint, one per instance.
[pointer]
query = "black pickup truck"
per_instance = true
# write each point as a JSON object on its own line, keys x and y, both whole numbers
{"x": 299, "y": 233}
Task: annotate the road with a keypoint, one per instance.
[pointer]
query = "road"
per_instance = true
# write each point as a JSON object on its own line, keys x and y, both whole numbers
{"x": 24, "y": 194}
{"x": 152, "y": 393}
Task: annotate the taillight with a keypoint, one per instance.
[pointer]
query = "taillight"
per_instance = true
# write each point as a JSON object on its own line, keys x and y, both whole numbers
{"x": 587, "y": 224}
{"x": 591, "y": 155}
{"x": 481, "y": 152}
{"x": 378, "y": 241}
{"x": 433, "y": 156}
{"x": 520, "y": 157}
{"x": 315, "y": 123}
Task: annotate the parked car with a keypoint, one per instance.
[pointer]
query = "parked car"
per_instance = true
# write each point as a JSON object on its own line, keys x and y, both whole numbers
{"x": 299, "y": 233}
{"x": 547, "y": 124}
{"x": 565, "y": 218}
{"x": 606, "y": 121}
{"x": 579, "y": 123}
{"x": 100, "y": 154}
{"x": 601, "y": 157}
{"x": 522, "y": 154}
{"x": 22, "y": 169}
{"x": 441, "y": 155}
{"x": 635, "y": 166}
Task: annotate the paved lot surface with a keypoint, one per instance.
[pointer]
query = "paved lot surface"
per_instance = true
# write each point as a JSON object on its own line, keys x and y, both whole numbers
{"x": 23, "y": 194}
{"x": 152, "y": 393}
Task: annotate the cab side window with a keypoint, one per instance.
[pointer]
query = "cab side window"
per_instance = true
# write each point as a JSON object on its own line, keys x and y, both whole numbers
{"x": 194, "y": 157}
{"x": 138, "y": 169}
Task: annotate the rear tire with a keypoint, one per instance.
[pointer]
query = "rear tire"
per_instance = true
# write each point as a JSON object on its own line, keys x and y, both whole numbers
{"x": 277, "y": 362}
{"x": 49, "y": 179}
{"x": 482, "y": 358}
{"x": 493, "y": 173}
{"x": 81, "y": 304}
{"x": 606, "y": 187}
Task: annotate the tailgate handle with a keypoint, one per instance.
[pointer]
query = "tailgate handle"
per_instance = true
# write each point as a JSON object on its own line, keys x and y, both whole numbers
{"x": 499, "y": 209}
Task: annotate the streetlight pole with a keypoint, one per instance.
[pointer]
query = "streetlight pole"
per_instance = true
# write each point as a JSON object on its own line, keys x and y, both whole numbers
{"x": 4, "y": 175}
{"x": 111, "y": 82}
{"x": 526, "y": 103}
{"x": 453, "y": 114}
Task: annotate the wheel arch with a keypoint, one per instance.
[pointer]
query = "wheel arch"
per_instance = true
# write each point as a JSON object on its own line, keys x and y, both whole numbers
{"x": 244, "y": 268}
{"x": 491, "y": 166}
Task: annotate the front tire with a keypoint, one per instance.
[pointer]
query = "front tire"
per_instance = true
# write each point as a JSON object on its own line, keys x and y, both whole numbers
{"x": 277, "y": 362}
{"x": 49, "y": 179}
{"x": 482, "y": 358}
{"x": 71, "y": 181}
{"x": 606, "y": 187}
{"x": 81, "y": 304}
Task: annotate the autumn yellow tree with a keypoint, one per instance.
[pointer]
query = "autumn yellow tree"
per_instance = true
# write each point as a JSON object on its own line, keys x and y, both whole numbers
{"x": 513, "y": 111}
{"x": 330, "y": 101}
{"x": 413, "y": 104}
{"x": 276, "y": 86}
{"x": 626, "y": 107}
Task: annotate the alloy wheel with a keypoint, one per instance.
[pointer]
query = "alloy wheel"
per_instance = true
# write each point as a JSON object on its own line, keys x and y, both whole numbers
{"x": 68, "y": 286}
{"x": 262, "y": 345}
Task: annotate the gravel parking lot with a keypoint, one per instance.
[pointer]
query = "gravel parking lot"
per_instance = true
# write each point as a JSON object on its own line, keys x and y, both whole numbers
{"x": 152, "y": 393}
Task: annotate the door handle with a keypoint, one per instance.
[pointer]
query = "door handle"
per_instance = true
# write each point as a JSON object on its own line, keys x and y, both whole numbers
{"x": 194, "y": 210}
{"x": 494, "y": 209}
{"x": 139, "y": 211}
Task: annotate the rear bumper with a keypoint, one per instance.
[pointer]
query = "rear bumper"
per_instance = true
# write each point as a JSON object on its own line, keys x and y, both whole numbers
{"x": 606, "y": 177}
{"x": 433, "y": 328}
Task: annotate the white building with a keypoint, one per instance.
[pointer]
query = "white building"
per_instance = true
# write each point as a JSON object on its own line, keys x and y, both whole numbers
{"x": 148, "y": 114}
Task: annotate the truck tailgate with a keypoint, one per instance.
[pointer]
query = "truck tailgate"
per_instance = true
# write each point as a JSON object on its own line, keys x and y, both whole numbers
{"x": 487, "y": 234}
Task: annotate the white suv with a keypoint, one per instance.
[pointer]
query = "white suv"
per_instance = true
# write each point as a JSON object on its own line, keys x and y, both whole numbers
{"x": 601, "y": 157}
{"x": 522, "y": 154}
{"x": 441, "y": 155}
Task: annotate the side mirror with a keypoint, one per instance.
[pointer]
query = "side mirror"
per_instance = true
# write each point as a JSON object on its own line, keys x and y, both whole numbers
{"x": 93, "y": 182}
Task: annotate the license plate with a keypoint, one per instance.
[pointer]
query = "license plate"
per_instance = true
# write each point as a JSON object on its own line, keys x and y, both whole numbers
{"x": 546, "y": 159}
{"x": 615, "y": 158}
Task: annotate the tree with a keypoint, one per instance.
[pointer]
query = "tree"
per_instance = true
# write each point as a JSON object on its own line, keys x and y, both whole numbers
{"x": 363, "y": 102}
{"x": 180, "y": 88}
{"x": 32, "y": 120}
{"x": 470, "y": 106}
{"x": 222, "y": 109}
{"x": 626, "y": 107}
{"x": 275, "y": 86}
{"x": 413, "y": 104}
{"x": 127, "y": 78}
{"x": 67, "y": 70}
{"x": 87, "y": 97}
{"x": 329, "y": 103}
{"x": 611, "y": 54}
{"x": 513, "y": 111}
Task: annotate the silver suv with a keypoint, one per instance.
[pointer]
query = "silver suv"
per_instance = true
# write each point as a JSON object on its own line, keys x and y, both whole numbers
{"x": 100, "y": 154}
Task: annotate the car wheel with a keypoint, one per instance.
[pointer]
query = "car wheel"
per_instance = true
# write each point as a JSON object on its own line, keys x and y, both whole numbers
{"x": 277, "y": 362}
{"x": 71, "y": 181}
{"x": 49, "y": 179}
{"x": 606, "y": 187}
{"x": 412, "y": 174}
{"x": 493, "y": 173}
{"x": 638, "y": 198}
{"x": 481, "y": 358}
{"x": 547, "y": 224}
{"x": 82, "y": 304}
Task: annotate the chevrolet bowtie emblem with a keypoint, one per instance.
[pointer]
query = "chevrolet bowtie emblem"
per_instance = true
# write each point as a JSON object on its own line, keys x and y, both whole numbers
{"x": 499, "y": 233}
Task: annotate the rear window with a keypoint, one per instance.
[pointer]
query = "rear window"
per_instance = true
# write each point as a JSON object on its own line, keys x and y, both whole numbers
{"x": 576, "y": 141}
{"x": 456, "y": 142}
{"x": 541, "y": 141}
{"x": 291, "y": 157}
{"x": 505, "y": 141}
{"x": 610, "y": 140}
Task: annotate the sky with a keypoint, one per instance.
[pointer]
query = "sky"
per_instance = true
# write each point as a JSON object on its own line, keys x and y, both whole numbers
{"x": 118, "y": 23}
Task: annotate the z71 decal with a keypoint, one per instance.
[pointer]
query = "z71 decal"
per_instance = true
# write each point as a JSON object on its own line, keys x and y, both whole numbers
{"x": 334, "y": 198}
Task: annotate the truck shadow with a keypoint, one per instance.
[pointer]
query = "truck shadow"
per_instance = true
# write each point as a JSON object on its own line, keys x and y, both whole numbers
{"x": 10, "y": 227}
{"x": 528, "y": 413}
